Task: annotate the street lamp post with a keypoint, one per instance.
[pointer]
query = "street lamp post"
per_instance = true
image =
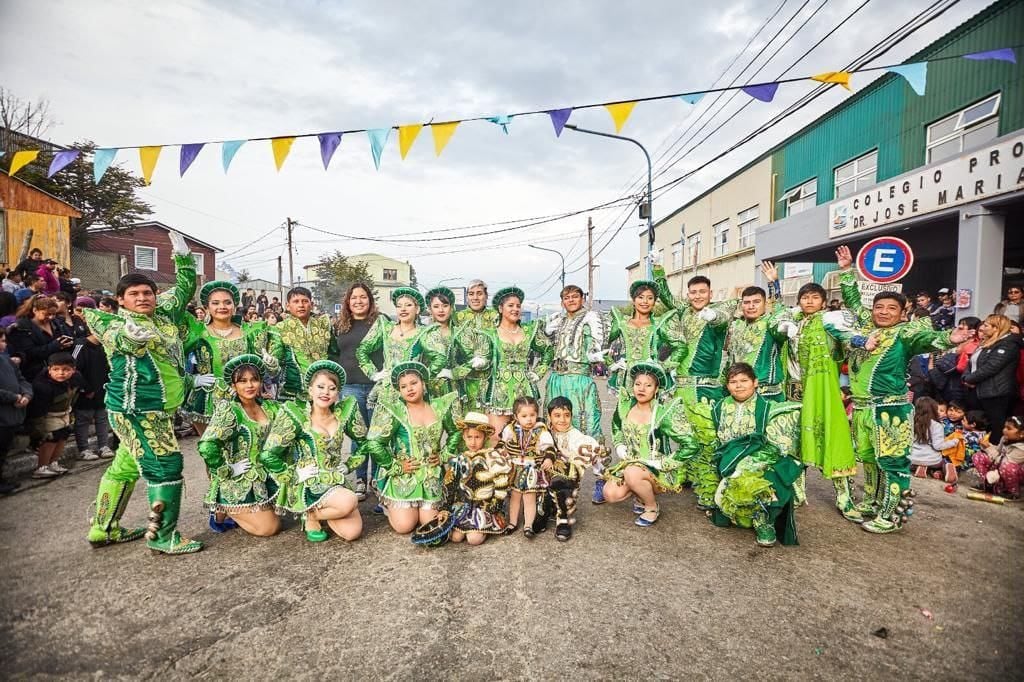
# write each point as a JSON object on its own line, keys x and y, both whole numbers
{"x": 650, "y": 179}
{"x": 558, "y": 253}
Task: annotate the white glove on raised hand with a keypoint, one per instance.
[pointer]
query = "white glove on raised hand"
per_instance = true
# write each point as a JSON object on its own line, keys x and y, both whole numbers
{"x": 707, "y": 314}
{"x": 597, "y": 355}
{"x": 621, "y": 451}
{"x": 619, "y": 364}
{"x": 444, "y": 374}
{"x": 478, "y": 362}
{"x": 307, "y": 472}
{"x": 788, "y": 328}
{"x": 204, "y": 381}
{"x": 533, "y": 376}
{"x": 379, "y": 376}
{"x": 178, "y": 245}
{"x": 138, "y": 332}
{"x": 239, "y": 468}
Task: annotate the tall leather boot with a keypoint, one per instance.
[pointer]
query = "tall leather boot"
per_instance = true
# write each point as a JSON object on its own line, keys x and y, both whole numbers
{"x": 111, "y": 501}
{"x": 162, "y": 536}
{"x": 844, "y": 499}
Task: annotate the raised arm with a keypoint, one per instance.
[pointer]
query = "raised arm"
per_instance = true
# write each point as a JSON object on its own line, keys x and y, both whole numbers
{"x": 664, "y": 293}
{"x": 173, "y": 301}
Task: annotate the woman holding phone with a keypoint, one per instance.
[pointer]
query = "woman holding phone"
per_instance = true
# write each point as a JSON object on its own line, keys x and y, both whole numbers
{"x": 35, "y": 336}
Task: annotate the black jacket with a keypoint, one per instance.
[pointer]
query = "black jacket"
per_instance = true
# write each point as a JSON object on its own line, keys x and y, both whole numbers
{"x": 996, "y": 376}
{"x": 52, "y": 396}
{"x": 94, "y": 370}
{"x": 12, "y": 384}
{"x": 34, "y": 346}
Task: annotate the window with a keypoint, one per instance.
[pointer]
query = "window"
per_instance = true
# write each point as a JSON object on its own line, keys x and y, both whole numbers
{"x": 677, "y": 256}
{"x": 390, "y": 275}
{"x": 721, "y": 238}
{"x": 967, "y": 128}
{"x": 856, "y": 175}
{"x": 200, "y": 263}
{"x": 145, "y": 258}
{"x": 748, "y": 221}
{"x": 693, "y": 248}
{"x": 802, "y": 197}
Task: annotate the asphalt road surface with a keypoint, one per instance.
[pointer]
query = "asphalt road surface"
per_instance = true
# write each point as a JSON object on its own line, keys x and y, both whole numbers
{"x": 680, "y": 599}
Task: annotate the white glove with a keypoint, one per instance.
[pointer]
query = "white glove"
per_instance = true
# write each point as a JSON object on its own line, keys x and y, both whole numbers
{"x": 619, "y": 364}
{"x": 268, "y": 359}
{"x": 444, "y": 374}
{"x": 138, "y": 332}
{"x": 178, "y": 245}
{"x": 621, "y": 451}
{"x": 204, "y": 381}
{"x": 795, "y": 309}
{"x": 306, "y": 473}
{"x": 379, "y": 376}
{"x": 478, "y": 362}
{"x": 554, "y": 322}
{"x": 707, "y": 314}
{"x": 597, "y": 355}
{"x": 239, "y": 468}
{"x": 533, "y": 376}
{"x": 788, "y": 328}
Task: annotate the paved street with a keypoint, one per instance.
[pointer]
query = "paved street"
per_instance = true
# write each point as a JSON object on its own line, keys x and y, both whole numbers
{"x": 680, "y": 599}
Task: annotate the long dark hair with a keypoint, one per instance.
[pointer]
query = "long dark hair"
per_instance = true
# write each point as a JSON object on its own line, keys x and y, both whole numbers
{"x": 926, "y": 411}
{"x": 344, "y": 325}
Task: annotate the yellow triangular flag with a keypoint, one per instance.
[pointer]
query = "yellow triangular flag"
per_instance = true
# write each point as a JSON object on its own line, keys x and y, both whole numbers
{"x": 406, "y": 136}
{"x": 840, "y": 77}
{"x": 148, "y": 157}
{"x": 281, "y": 147}
{"x": 620, "y": 112}
{"x": 22, "y": 159}
{"x": 442, "y": 133}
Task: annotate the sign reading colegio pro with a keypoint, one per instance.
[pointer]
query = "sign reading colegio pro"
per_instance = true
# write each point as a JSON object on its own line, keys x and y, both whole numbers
{"x": 884, "y": 260}
{"x": 995, "y": 169}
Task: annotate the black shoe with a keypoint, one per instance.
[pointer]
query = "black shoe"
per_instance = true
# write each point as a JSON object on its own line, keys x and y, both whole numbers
{"x": 563, "y": 532}
{"x": 528, "y": 532}
{"x": 6, "y": 487}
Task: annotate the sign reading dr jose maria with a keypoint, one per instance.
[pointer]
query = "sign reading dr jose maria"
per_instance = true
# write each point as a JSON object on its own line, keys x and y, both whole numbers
{"x": 994, "y": 169}
{"x": 885, "y": 260}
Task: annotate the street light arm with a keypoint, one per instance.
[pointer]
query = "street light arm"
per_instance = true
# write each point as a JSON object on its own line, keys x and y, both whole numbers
{"x": 559, "y": 253}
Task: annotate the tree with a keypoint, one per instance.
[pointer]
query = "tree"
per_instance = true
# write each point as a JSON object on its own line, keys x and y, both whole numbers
{"x": 21, "y": 116}
{"x": 243, "y": 277}
{"x": 413, "y": 282}
{"x": 335, "y": 274}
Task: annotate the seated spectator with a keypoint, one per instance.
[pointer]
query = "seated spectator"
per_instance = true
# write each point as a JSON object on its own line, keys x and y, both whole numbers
{"x": 929, "y": 442}
{"x": 15, "y": 394}
{"x": 8, "y": 308}
{"x": 34, "y": 284}
{"x": 944, "y": 315}
{"x": 953, "y": 420}
{"x": 975, "y": 436}
{"x": 999, "y": 466}
{"x": 12, "y": 282}
{"x": 1013, "y": 305}
{"x": 31, "y": 264}
{"x": 48, "y": 272}
{"x": 49, "y": 413}
{"x": 35, "y": 337}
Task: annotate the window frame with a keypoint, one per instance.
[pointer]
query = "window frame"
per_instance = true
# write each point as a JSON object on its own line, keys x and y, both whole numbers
{"x": 384, "y": 274}
{"x": 799, "y": 190}
{"x": 720, "y": 247}
{"x": 741, "y": 224}
{"x": 856, "y": 176}
{"x": 156, "y": 257}
{"x": 200, "y": 261}
{"x": 961, "y": 129}
{"x": 677, "y": 256}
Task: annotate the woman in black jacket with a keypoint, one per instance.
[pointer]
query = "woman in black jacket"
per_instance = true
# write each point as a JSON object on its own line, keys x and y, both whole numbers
{"x": 35, "y": 336}
{"x": 992, "y": 371}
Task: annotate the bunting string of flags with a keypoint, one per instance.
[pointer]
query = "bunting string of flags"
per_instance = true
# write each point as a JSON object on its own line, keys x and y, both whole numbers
{"x": 915, "y": 74}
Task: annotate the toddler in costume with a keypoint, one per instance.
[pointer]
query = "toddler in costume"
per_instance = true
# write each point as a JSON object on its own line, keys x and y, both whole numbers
{"x": 576, "y": 451}
{"x": 480, "y": 477}
{"x": 531, "y": 451}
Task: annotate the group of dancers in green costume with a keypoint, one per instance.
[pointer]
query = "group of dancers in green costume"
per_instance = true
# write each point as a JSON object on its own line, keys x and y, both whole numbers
{"x": 734, "y": 399}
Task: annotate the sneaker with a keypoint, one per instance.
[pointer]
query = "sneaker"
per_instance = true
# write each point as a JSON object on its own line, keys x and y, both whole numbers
{"x": 87, "y": 455}
{"x": 598, "y": 497}
{"x": 56, "y": 468}
{"x": 360, "y": 489}
{"x": 563, "y": 532}
{"x": 44, "y": 472}
{"x": 106, "y": 453}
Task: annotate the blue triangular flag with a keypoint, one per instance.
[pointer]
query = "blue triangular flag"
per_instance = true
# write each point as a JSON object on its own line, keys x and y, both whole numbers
{"x": 228, "y": 151}
{"x": 378, "y": 138}
{"x": 61, "y": 160}
{"x": 764, "y": 91}
{"x": 101, "y": 160}
{"x": 916, "y": 75}
{"x": 189, "y": 152}
{"x": 328, "y": 144}
{"x": 559, "y": 117}
{"x": 1004, "y": 54}
{"x": 503, "y": 120}
{"x": 692, "y": 97}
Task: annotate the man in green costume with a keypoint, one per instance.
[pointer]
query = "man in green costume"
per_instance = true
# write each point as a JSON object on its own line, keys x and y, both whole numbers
{"x": 880, "y": 347}
{"x": 147, "y": 384}
{"x": 299, "y": 340}
{"x": 698, "y": 330}
{"x": 475, "y": 318}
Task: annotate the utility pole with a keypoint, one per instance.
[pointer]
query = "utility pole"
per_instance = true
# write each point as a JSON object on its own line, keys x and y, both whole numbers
{"x": 280, "y": 276}
{"x": 291, "y": 265}
{"x": 590, "y": 260}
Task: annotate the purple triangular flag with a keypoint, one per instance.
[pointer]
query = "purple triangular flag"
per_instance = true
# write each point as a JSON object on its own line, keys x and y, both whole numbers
{"x": 764, "y": 92}
{"x": 328, "y": 144}
{"x": 1003, "y": 55}
{"x": 189, "y": 152}
{"x": 61, "y": 160}
{"x": 559, "y": 117}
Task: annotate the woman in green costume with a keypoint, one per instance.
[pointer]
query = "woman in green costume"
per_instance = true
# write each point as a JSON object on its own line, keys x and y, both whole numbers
{"x": 240, "y": 487}
{"x": 454, "y": 352}
{"x": 642, "y": 432}
{"x": 411, "y": 436}
{"x": 398, "y": 342}
{"x": 642, "y": 334}
{"x": 758, "y": 459}
{"x": 223, "y": 336}
{"x": 520, "y": 356}
{"x": 311, "y": 434}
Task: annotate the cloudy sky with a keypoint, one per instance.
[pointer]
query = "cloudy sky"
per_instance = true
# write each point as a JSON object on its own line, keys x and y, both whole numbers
{"x": 128, "y": 73}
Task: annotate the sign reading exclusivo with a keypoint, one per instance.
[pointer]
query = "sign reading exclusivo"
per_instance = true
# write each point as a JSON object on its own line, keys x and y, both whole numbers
{"x": 995, "y": 169}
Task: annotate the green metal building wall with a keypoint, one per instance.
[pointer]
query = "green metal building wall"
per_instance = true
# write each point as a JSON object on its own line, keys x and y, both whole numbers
{"x": 890, "y": 116}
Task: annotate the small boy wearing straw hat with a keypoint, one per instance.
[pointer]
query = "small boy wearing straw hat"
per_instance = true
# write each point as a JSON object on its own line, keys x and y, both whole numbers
{"x": 481, "y": 476}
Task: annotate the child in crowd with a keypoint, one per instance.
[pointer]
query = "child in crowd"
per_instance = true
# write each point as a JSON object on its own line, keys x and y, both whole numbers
{"x": 49, "y": 413}
{"x": 942, "y": 409}
{"x": 930, "y": 441}
{"x": 975, "y": 435}
{"x": 1000, "y": 466}
{"x": 576, "y": 451}
{"x": 15, "y": 394}
{"x": 481, "y": 477}
{"x": 954, "y": 419}
{"x": 529, "y": 448}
